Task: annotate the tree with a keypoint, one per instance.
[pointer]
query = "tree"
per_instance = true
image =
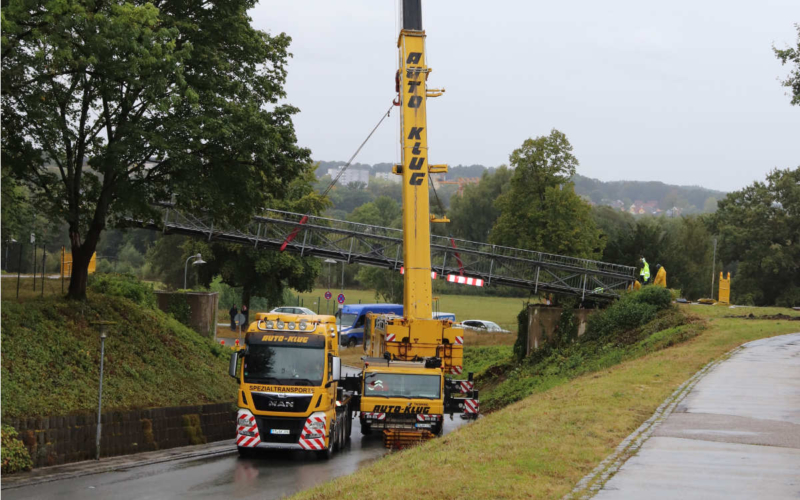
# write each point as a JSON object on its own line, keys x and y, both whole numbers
{"x": 540, "y": 211}
{"x": 792, "y": 56}
{"x": 473, "y": 215}
{"x": 384, "y": 212}
{"x": 108, "y": 107}
{"x": 759, "y": 227}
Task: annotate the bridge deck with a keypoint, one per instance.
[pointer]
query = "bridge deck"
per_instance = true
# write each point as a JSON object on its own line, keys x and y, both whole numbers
{"x": 383, "y": 247}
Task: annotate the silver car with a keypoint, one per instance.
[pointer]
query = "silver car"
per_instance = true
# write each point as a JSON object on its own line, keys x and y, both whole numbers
{"x": 483, "y": 326}
{"x": 293, "y": 310}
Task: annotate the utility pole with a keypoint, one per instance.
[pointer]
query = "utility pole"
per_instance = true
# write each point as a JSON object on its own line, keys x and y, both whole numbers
{"x": 713, "y": 270}
{"x": 102, "y": 325}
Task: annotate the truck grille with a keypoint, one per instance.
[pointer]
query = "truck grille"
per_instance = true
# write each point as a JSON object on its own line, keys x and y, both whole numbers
{"x": 291, "y": 404}
{"x": 293, "y": 425}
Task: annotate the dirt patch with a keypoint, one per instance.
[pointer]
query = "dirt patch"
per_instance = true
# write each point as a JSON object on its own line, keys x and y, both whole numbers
{"x": 771, "y": 317}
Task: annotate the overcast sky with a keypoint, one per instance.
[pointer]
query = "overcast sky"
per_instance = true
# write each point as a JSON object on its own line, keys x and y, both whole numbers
{"x": 684, "y": 92}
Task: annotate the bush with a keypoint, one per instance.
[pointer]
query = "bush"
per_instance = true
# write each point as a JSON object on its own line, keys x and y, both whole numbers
{"x": 179, "y": 308}
{"x": 521, "y": 344}
{"x": 632, "y": 311}
{"x": 14, "y": 454}
{"x": 123, "y": 285}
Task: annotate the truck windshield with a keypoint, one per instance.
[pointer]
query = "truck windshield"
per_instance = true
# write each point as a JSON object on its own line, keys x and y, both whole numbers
{"x": 401, "y": 385}
{"x": 284, "y": 365}
{"x": 347, "y": 318}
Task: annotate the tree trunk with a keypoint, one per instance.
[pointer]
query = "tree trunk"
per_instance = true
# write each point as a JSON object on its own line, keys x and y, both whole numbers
{"x": 246, "y": 293}
{"x": 81, "y": 257}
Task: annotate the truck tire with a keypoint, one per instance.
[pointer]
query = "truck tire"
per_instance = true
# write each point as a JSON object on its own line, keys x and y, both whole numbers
{"x": 327, "y": 453}
{"x": 348, "y": 416}
{"x": 366, "y": 430}
{"x": 337, "y": 444}
{"x": 351, "y": 342}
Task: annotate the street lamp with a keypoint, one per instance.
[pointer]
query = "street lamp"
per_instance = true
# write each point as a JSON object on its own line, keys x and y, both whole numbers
{"x": 102, "y": 325}
{"x": 195, "y": 263}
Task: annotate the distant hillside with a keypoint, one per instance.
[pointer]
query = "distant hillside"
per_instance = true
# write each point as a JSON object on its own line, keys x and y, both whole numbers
{"x": 648, "y": 196}
{"x": 690, "y": 199}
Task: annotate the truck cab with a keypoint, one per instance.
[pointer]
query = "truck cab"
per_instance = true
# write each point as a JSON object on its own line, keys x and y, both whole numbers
{"x": 290, "y": 396}
{"x": 353, "y": 317}
{"x": 398, "y": 395}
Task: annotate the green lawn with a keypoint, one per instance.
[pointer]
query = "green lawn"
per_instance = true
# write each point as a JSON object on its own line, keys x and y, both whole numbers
{"x": 542, "y": 446}
{"x": 501, "y": 310}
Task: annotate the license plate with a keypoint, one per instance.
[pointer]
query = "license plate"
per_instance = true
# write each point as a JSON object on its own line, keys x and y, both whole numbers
{"x": 424, "y": 426}
{"x": 279, "y": 431}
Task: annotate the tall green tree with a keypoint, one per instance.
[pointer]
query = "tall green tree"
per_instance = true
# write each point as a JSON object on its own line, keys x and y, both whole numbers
{"x": 791, "y": 56}
{"x": 540, "y": 211}
{"x": 473, "y": 214}
{"x": 759, "y": 227}
{"x": 108, "y": 107}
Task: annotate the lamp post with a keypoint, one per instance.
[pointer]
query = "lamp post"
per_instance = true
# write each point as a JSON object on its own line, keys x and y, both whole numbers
{"x": 195, "y": 263}
{"x": 102, "y": 326}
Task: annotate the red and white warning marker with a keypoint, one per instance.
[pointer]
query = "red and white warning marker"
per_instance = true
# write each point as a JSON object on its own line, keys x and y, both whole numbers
{"x": 471, "y": 406}
{"x": 463, "y": 280}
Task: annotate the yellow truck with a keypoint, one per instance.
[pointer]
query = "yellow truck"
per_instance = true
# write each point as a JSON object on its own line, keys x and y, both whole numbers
{"x": 291, "y": 393}
{"x": 409, "y": 399}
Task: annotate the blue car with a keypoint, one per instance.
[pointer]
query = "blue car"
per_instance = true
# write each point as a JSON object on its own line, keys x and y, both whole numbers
{"x": 352, "y": 318}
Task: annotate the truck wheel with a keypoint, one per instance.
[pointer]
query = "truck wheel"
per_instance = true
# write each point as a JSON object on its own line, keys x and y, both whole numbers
{"x": 366, "y": 430}
{"x": 351, "y": 342}
{"x": 327, "y": 453}
{"x": 438, "y": 429}
{"x": 246, "y": 452}
{"x": 337, "y": 444}
{"x": 348, "y": 425}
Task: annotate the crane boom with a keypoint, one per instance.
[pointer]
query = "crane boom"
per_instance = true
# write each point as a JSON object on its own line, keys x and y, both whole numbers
{"x": 415, "y": 165}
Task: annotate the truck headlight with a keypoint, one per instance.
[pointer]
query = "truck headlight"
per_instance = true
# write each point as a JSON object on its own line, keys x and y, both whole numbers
{"x": 292, "y": 325}
{"x": 281, "y": 324}
{"x": 270, "y": 324}
{"x": 317, "y": 426}
{"x": 303, "y": 325}
{"x": 244, "y": 421}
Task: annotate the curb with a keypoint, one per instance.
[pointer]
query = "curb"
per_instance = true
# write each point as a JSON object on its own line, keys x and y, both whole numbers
{"x": 113, "y": 464}
{"x": 594, "y": 481}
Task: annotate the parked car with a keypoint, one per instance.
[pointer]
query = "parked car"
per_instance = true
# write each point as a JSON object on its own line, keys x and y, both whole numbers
{"x": 293, "y": 310}
{"x": 482, "y": 325}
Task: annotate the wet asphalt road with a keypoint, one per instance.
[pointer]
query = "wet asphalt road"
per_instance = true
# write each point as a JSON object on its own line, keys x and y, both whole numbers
{"x": 735, "y": 436}
{"x": 271, "y": 476}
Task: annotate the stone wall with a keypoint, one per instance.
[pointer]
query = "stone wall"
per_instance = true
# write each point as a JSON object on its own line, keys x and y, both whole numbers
{"x": 59, "y": 440}
{"x": 203, "y": 319}
{"x": 542, "y": 322}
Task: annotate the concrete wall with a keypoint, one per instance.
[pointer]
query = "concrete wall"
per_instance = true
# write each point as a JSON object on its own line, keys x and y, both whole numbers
{"x": 204, "y": 309}
{"x": 542, "y": 322}
{"x": 59, "y": 440}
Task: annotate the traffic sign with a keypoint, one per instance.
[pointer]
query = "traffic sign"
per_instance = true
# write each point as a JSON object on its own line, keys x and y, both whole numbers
{"x": 340, "y": 298}
{"x": 328, "y": 295}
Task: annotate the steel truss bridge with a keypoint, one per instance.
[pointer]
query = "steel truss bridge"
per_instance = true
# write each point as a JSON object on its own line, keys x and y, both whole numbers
{"x": 383, "y": 247}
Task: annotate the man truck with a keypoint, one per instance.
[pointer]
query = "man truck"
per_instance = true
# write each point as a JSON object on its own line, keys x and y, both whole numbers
{"x": 291, "y": 393}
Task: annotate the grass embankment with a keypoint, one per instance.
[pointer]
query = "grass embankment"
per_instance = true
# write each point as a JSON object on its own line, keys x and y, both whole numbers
{"x": 51, "y": 358}
{"x": 542, "y": 446}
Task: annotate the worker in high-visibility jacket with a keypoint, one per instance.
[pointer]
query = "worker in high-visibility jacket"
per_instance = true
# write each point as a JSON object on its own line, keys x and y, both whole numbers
{"x": 645, "y": 272}
{"x": 661, "y": 276}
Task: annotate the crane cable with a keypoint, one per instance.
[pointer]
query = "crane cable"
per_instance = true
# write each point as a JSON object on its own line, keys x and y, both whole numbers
{"x": 450, "y": 234}
{"x": 304, "y": 219}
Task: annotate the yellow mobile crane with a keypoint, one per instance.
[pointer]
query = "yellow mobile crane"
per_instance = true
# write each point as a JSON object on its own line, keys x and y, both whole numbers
{"x": 409, "y": 356}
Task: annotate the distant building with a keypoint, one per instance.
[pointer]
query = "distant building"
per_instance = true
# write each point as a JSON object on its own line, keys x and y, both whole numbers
{"x": 388, "y": 176}
{"x": 350, "y": 176}
{"x": 641, "y": 208}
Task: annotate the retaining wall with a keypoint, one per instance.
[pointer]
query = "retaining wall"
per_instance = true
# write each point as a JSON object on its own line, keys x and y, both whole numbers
{"x": 203, "y": 318}
{"x": 542, "y": 322}
{"x": 59, "y": 440}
